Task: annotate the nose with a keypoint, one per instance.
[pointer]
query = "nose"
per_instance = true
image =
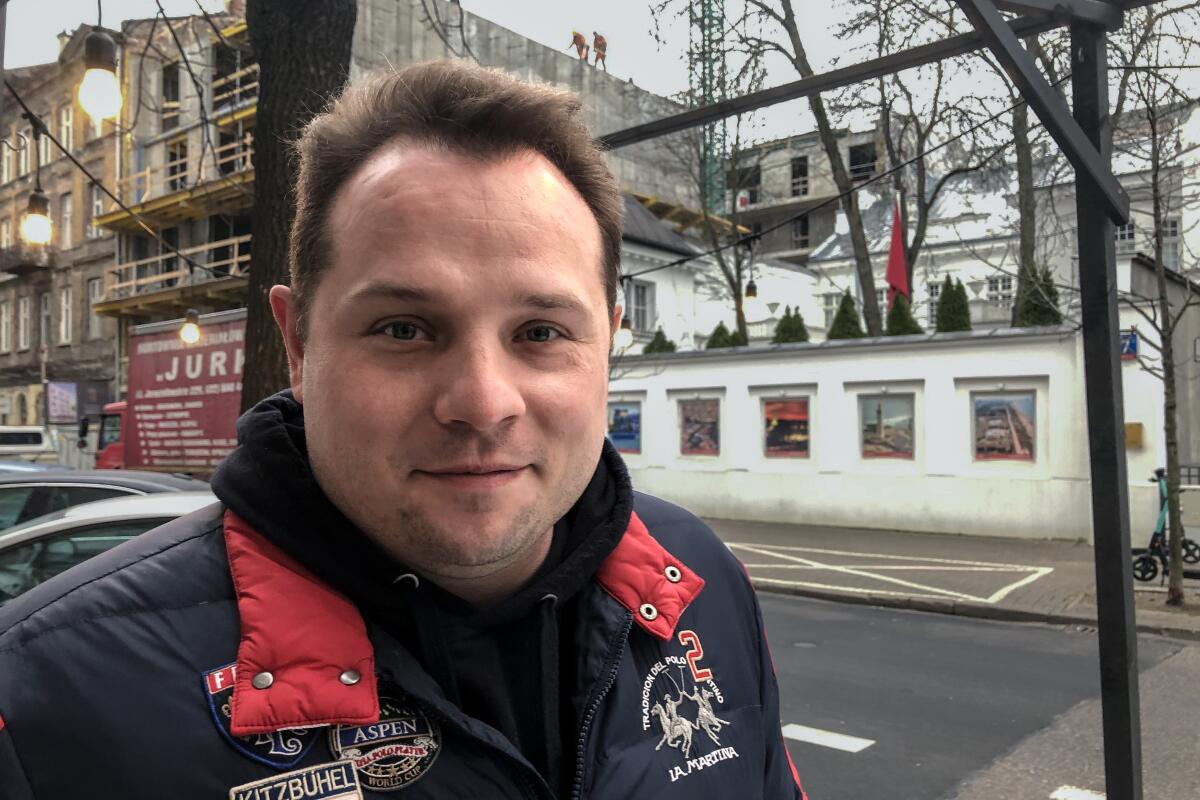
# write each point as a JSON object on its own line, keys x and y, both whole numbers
{"x": 480, "y": 390}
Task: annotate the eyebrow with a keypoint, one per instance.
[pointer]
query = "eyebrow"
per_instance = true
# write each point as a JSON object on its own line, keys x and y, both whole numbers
{"x": 389, "y": 291}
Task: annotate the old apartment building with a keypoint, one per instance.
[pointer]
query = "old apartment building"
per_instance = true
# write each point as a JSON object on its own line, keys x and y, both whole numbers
{"x": 56, "y": 354}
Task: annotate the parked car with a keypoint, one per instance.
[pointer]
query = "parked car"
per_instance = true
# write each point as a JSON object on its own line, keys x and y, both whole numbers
{"x": 8, "y": 465}
{"x": 27, "y": 443}
{"x": 44, "y": 547}
{"x": 24, "y": 496}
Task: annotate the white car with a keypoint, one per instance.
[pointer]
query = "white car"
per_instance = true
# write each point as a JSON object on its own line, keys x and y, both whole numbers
{"x": 41, "y": 548}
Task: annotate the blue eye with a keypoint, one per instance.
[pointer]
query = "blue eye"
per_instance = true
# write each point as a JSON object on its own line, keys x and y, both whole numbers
{"x": 541, "y": 333}
{"x": 404, "y": 331}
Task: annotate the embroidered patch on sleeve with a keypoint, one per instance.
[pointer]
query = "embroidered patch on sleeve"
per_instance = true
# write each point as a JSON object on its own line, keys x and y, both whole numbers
{"x": 335, "y": 781}
{"x": 280, "y": 749}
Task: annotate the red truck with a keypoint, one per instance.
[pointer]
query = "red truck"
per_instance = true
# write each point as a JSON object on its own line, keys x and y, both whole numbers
{"x": 182, "y": 399}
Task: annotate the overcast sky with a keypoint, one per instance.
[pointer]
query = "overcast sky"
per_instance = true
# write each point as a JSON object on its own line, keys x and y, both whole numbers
{"x": 627, "y": 24}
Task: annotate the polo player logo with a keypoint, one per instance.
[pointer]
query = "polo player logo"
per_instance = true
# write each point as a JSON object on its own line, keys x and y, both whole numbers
{"x": 682, "y": 696}
{"x": 677, "y": 732}
{"x": 706, "y": 719}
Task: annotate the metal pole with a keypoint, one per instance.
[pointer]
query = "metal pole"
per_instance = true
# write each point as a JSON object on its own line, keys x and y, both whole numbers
{"x": 1106, "y": 433}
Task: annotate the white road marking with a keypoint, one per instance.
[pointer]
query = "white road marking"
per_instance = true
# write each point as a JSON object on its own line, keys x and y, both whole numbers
{"x": 1000, "y": 595}
{"x": 837, "y": 741}
{"x": 1075, "y": 793}
{"x": 860, "y": 573}
{"x": 870, "y": 571}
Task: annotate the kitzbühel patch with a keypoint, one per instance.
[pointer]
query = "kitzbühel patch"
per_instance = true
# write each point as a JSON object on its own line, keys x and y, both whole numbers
{"x": 280, "y": 749}
{"x": 335, "y": 781}
{"x": 392, "y": 753}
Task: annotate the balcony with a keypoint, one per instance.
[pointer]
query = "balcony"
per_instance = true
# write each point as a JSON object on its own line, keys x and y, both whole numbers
{"x": 183, "y": 188}
{"x": 165, "y": 286}
{"x": 235, "y": 96}
{"x": 22, "y": 259}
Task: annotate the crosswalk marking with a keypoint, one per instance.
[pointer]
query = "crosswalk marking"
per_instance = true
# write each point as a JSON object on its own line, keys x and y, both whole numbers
{"x": 838, "y": 741}
{"x": 1075, "y": 793}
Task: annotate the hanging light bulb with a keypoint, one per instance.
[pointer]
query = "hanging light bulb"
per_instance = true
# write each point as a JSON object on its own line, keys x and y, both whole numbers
{"x": 624, "y": 337}
{"x": 99, "y": 93}
{"x": 35, "y": 225}
{"x": 753, "y": 307}
{"x": 189, "y": 332}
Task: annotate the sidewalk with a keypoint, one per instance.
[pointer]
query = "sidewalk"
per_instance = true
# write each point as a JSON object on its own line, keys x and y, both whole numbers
{"x": 979, "y": 576}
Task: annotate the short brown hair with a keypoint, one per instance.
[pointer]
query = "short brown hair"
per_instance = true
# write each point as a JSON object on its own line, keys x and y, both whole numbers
{"x": 465, "y": 108}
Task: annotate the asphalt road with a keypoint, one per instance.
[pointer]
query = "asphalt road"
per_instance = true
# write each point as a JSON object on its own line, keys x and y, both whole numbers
{"x": 941, "y": 698}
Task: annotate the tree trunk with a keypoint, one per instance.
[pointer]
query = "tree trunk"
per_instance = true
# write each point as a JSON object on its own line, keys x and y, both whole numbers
{"x": 303, "y": 52}
{"x": 1026, "y": 206}
{"x": 1167, "y": 351}
{"x": 841, "y": 179}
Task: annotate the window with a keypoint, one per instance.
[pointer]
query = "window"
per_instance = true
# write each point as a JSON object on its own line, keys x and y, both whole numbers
{"x": 799, "y": 176}
{"x": 934, "y": 290}
{"x": 177, "y": 165}
{"x": 66, "y": 208}
{"x": 641, "y": 307}
{"x": 96, "y": 210}
{"x": 1126, "y": 238}
{"x": 832, "y": 300}
{"x": 44, "y": 310}
{"x": 23, "y": 153}
{"x": 95, "y": 288}
{"x": 862, "y": 161}
{"x": 66, "y": 127}
{"x": 64, "y": 311}
{"x": 1170, "y": 237}
{"x": 745, "y": 183}
{"x": 24, "y": 309}
{"x": 5, "y": 326}
{"x": 44, "y": 145}
{"x": 170, "y": 96}
{"x": 800, "y": 232}
{"x": 26, "y": 565}
{"x": 6, "y": 163}
{"x": 1000, "y": 291}
{"x": 6, "y": 233}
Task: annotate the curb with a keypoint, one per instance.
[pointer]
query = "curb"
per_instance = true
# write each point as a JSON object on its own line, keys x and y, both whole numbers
{"x": 955, "y": 608}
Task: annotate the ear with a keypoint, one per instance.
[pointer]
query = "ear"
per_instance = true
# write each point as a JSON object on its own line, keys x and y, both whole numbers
{"x": 286, "y": 313}
{"x": 618, "y": 312}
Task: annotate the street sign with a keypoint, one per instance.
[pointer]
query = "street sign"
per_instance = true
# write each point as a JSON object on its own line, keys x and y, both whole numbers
{"x": 1129, "y": 345}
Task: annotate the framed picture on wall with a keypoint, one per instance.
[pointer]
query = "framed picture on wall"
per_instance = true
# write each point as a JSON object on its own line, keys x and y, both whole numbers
{"x": 785, "y": 428}
{"x": 886, "y": 425}
{"x": 1004, "y": 425}
{"x": 625, "y": 426}
{"x": 700, "y": 427}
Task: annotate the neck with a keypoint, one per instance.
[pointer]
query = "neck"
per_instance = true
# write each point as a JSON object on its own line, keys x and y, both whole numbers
{"x": 487, "y": 584}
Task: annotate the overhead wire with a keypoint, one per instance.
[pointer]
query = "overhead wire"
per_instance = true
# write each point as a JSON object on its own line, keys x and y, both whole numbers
{"x": 45, "y": 131}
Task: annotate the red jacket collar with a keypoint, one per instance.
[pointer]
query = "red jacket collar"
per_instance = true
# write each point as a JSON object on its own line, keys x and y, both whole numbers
{"x": 303, "y": 634}
{"x": 308, "y": 637}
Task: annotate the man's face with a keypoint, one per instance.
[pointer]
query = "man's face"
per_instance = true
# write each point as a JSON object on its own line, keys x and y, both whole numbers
{"x": 455, "y": 368}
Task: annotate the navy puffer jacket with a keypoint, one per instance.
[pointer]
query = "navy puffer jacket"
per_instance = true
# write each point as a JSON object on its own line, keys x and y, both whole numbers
{"x": 201, "y": 661}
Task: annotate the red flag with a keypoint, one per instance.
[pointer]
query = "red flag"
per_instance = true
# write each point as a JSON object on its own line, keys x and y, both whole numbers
{"x": 897, "y": 273}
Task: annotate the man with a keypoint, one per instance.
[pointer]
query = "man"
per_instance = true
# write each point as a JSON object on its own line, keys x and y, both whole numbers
{"x": 600, "y": 46}
{"x": 580, "y": 44}
{"x": 428, "y": 571}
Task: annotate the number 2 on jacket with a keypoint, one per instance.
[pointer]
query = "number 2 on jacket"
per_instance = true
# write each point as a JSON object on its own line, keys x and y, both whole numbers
{"x": 695, "y": 652}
